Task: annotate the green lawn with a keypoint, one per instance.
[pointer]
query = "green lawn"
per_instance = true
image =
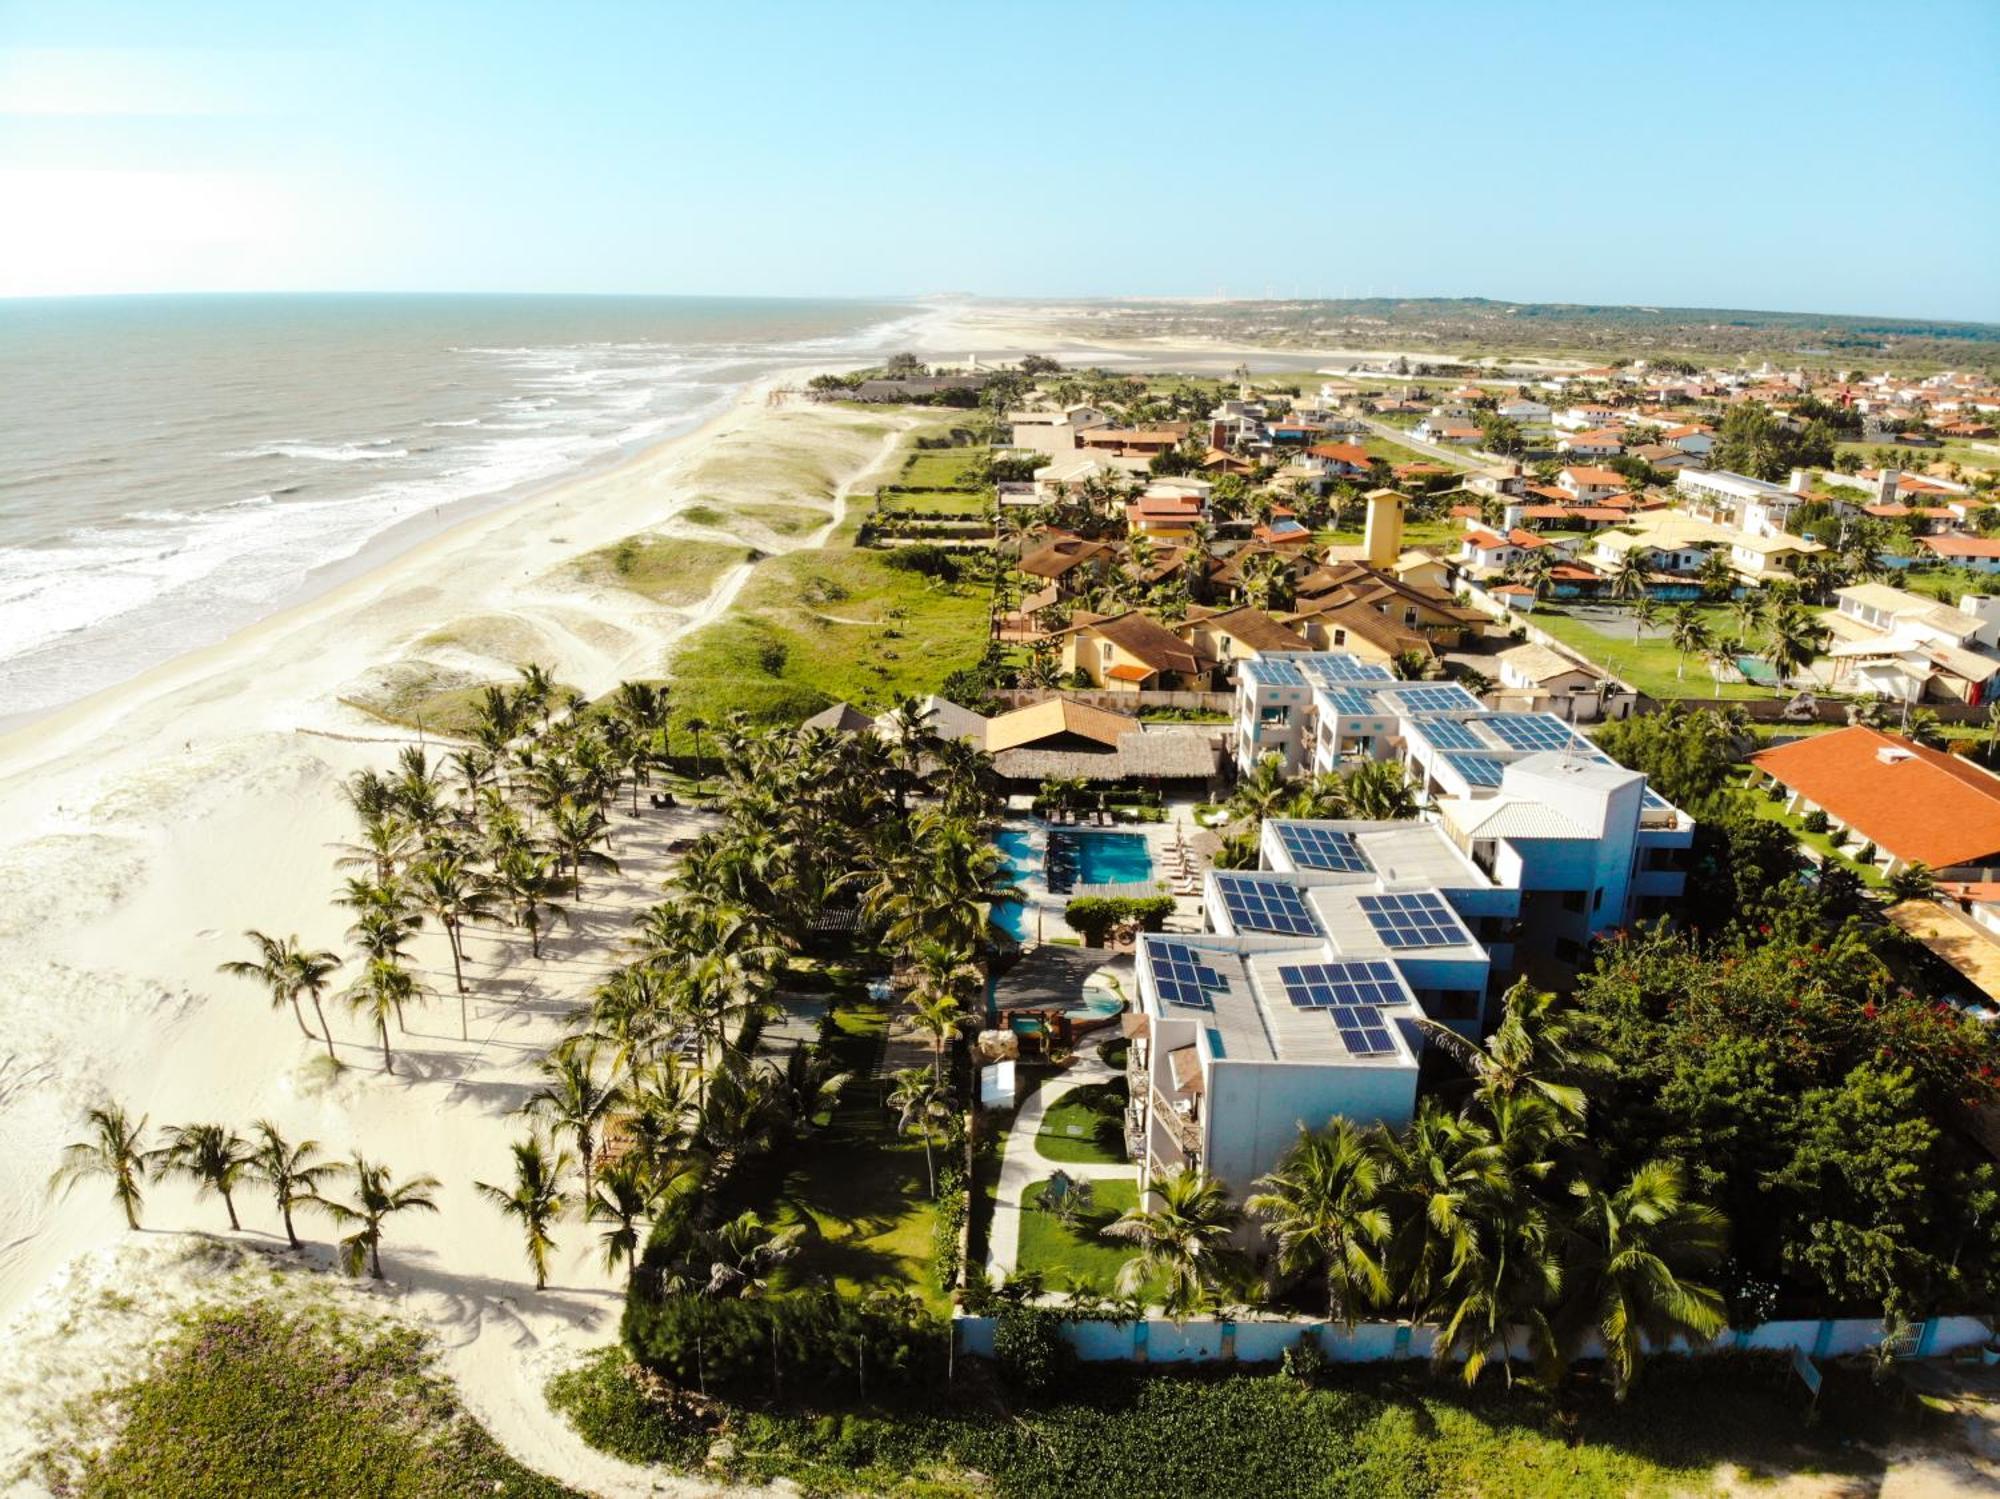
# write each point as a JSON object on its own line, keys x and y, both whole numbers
{"x": 1912, "y": 460}
{"x": 1064, "y": 1257}
{"x": 1819, "y": 843}
{"x": 976, "y": 502}
{"x": 1649, "y": 663}
{"x": 1085, "y": 1124}
{"x": 859, "y": 1186}
{"x": 941, "y": 468}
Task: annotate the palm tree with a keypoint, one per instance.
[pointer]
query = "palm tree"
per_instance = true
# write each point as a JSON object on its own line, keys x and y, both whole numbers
{"x": 384, "y": 987}
{"x": 286, "y": 971}
{"x": 1380, "y": 791}
{"x": 1689, "y": 633}
{"x": 1716, "y": 576}
{"x": 213, "y": 1156}
{"x": 535, "y": 1201}
{"x": 1645, "y": 614}
{"x": 626, "y": 1194}
{"x": 1260, "y": 793}
{"x": 696, "y": 726}
{"x": 742, "y": 1253}
{"x": 1323, "y": 1203}
{"x": 292, "y": 1172}
{"x": 1436, "y": 1169}
{"x": 1796, "y": 639}
{"x": 452, "y": 893}
{"x": 1629, "y": 1250}
{"x": 526, "y": 879}
{"x": 1540, "y": 1047}
{"x": 1508, "y": 1278}
{"x": 115, "y": 1151}
{"x": 575, "y": 831}
{"x": 937, "y": 1016}
{"x": 377, "y": 1198}
{"x": 1748, "y": 612}
{"x": 1628, "y": 580}
{"x": 574, "y": 1099}
{"x": 1186, "y": 1239}
{"x": 920, "y": 1101}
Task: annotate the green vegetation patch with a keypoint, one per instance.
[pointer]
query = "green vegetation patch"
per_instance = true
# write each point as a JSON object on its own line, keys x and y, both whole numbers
{"x": 261, "y": 1399}
{"x": 671, "y": 570}
{"x": 1076, "y": 1254}
{"x": 779, "y": 520}
{"x": 1085, "y": 1124}
{"x": 1371, "y": 1433}
{"x": 1650, "y": 663}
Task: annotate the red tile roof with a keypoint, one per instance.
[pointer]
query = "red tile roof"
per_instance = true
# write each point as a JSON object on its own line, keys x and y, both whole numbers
{"x": 1924, "y": 804}
{"x": 1352, "y": 454}
{"x": 1964, "y": 546}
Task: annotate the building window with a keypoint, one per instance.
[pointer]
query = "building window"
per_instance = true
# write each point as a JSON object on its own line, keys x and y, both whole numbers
{"x": 1105, "y": 651}
{"x": 1597, "y": 899}
{"x": 1279, "y": 715}
{"x": 1572, "y": 900}
{"x": 1340, "y": 637}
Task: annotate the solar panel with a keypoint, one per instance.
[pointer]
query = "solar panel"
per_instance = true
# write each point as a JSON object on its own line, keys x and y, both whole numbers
{"x": 1478, "y": 770}
{"x": 1420, "y": 919}
{"x": 1321, "y": 848}
{"x": 1451, "y": 734}
{"x": 1334, "y": 666}
{"x": 1181, "y": 977}
{"x": 1352, "y": 702}
{"x": 1275, "y": 673}
{"x": 1362, "y": 1032}
{"x": 1319, "y": 986}
{"x": 1445, "y": 697}
{"x": 1265, "y": 906}
{"x": 1531, "y": 731}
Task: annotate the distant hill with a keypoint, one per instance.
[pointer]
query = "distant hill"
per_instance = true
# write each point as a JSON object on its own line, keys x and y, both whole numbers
{"x": 1482, "y": 325}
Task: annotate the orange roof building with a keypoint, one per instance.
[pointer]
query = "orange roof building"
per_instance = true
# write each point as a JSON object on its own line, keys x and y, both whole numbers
{"x": 1913, "y": 803}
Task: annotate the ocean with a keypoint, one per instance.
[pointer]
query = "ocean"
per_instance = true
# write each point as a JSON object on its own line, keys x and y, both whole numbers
{"x": 174, "y": 468}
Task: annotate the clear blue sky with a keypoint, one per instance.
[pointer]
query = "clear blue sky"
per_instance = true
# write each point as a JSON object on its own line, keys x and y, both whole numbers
{"x": 1687, "y": 154}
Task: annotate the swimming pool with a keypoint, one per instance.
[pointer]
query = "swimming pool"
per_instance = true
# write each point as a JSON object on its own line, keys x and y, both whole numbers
{"x": 1079, "y": 856}
{"x": 1019, "y": 847}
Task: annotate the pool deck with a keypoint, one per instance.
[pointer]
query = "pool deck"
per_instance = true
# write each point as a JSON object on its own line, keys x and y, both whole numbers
{"x": 1042, "y": 916}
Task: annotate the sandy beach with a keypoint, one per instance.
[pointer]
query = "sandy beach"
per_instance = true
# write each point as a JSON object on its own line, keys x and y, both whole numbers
{"x": 143, "y": 829}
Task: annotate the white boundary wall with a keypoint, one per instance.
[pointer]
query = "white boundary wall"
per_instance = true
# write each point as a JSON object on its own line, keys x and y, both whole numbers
{"x": 1258, "y": 1341}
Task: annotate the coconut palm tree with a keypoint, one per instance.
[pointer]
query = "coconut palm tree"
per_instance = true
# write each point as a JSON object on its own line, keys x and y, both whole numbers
{"x": 116, "y": 1151}
{"x": 1508, "y": 1279}
{"x": 1629, "y": 1251}
{"x": 575, "y": 832}
{"x": 1380, "y": 791}
{"x": 1539, "y": 1047}
{"x": 1796, "y": 639}
{"x": 292, "y": 1172}
{"x": 628, "y": 1191}
{"x": 920, "y": 1102}
{"x": 213, "y": 1156}
{"x": 938, "y": 1017}
{"x": 743, "y": 1252}
{"x": 452, "y": 893}
{"x": 377, "y": 1198}
{"x": 1645, "y": 614}
{"x": 1324, "y": 1208}
{"x": 1186, "y": 1239}
{"x": 1262, "y": 792}
{"x": 286, "y": 970}
{"x": 535, "y": 1201}
{"x": 1436, "y": 1169}
{"x": 574, "y": 1099}
{"x": 526, "y": 880}
{"x": 1689, "y": 633}
{"x": 382, "y": 990}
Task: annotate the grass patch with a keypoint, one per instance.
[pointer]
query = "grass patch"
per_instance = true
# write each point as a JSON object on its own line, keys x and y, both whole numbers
{"x": 1085, "y": 1124}
{"x": 1362, "y": 1432}
{"x": 1650, "y": 663}
{"x": 260, "y": 1399}
{"x": 1820, "y": 843}
{"x": 779, "y": 520}
{"x": 671, "y": 570}
{"x": 860, "y": 1187}
{"x": 414, "y": 695}
{"x": 942, "y": 468}
{"x": 1066, "y": 1257}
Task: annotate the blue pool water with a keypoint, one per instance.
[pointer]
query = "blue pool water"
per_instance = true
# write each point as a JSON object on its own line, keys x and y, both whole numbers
{"x": 1104, "y": 858}
{"x": 1011, "y": 916}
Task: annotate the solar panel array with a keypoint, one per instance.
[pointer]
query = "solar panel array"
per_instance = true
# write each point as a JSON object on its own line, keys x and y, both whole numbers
{"x": 1352, "y": 702}
{"x": 1354, "y": 994}
{"x": 1321, "y": 848}
{"x": 1266, "y": 906}
{"x": 1181, "y": 976}
{"x": 1336, "y": 667}
{"x": 1420, "y": 919}
{"x": 1478, "y": 770}
{"x": 1267, "y": 673}
{"x": 1531, "y": 731}
{"x": 1443, "y": 697}
{"x": 1451, "y": 734}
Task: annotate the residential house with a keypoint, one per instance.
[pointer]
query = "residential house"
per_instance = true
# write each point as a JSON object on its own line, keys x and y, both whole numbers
{"x": 1484, "y": 554}
{"x": 1060, "y": 738}
{"x": 1447, "y": 429}
{"x": 1587, "y": 483}
{"x": 1907, "y": 647}
{"x": 1914, "y": 803}
{"x": 1525, "y": 410}
{"x": 1586, "y": 418}
{"x": 1980, "y": 554}
{"x": 1540, "y": 673}
{"x": 1071, "y": 563}
{"x": 1753, "y": 505}
{"x": 1603, "y": 442}
{"x": 1695, "y": 441}
{"x": 1227, "y": 636}
{"x": 1134, "y": 442}
{"x": 1339, "y": 460}
{"x": 1132, "y": 652}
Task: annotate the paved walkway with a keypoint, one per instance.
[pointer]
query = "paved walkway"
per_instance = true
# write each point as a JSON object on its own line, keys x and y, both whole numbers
{"x": 1021, "y": 1165}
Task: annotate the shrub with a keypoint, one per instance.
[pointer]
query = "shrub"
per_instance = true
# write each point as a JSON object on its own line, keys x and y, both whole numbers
{"x": 1814, "y": 821}
{"x": 925, "y": 557}
{"x": 1774, "y": 792}
{"x": 1305, "y": 1360}
{"x": 814, "y": 1340}
{"x": 1095, "y": 917}
{"x": 1029, "y": 1347}
{"x": 1865, "y": 854}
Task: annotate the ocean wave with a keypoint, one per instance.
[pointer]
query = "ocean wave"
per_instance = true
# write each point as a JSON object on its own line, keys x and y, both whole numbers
{"x": 342, "y": 452}
{"x": 469, "y": 421}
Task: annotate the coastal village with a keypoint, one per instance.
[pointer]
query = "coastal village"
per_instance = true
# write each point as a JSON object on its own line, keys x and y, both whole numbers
{"x": 1216, "y": 873}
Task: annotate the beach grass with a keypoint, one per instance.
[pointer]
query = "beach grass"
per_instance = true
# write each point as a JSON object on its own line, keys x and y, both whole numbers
{"x": 264, "y": 1398}
{"x": 673, "y": 570}
{"x": 779, "y": 520}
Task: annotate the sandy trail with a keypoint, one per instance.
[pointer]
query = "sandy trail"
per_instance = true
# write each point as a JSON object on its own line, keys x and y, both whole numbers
{"x": 142, "y": 830}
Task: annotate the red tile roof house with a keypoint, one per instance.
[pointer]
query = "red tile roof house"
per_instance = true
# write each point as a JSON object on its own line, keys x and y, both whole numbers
{"x": 1915, "y": 804}
{"x": 1979, "y": 553}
